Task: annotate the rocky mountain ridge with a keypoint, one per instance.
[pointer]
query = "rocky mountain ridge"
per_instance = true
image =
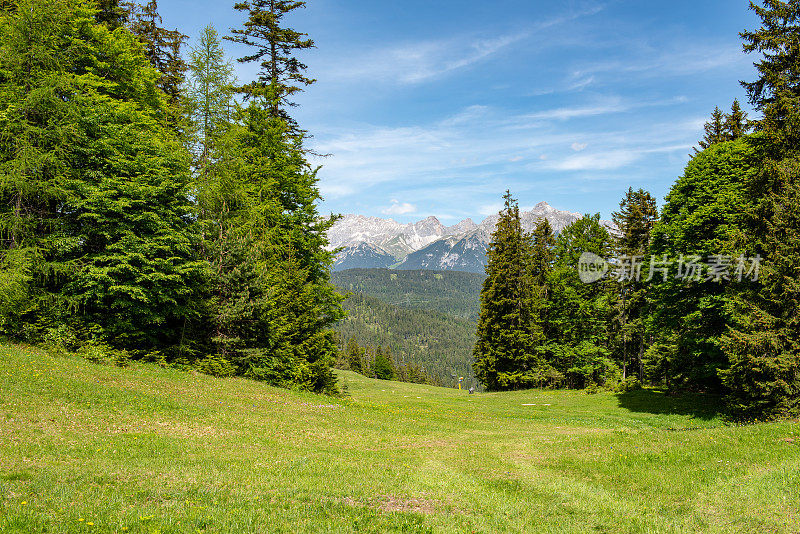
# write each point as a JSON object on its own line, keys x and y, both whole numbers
{"x": 369, "y": 242}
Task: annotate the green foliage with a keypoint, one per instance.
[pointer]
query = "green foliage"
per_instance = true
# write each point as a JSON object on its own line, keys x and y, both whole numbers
{"x": 763, "y": 344}
{"x": 434, "y": 344}
{"x": 451, "y": 292}
{"x": 383, "y": 366}
{"x": 209, "y": 94}
{"x": 101, "y": 353}
{"x": 216, "y": 365}
{"x": 61, "y": 339}
{"x": 506, "y": 355}
{"x": 14, "y": 288}
{"x": 162, "y": 48}
{"x": 634, "y": 223}
{"x": 703, "y": 212}
{"x": 103, "y": 227}
{"x": 578, "y": 335}
{"x": 273, "y": 48}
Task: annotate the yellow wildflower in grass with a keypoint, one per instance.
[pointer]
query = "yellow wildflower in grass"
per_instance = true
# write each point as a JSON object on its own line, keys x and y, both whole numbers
{"x": 90, "y": 524}
{"x": 81, "y": 519}
{"x": 24, "y": 503}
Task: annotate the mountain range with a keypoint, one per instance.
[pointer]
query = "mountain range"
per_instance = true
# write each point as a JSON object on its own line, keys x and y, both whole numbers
{"x": 372, "y": 242}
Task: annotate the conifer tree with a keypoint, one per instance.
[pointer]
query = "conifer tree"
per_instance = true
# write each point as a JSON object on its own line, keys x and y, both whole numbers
{"x": 383, "y": 366}
{"x": 578, "y": 347}
{"x": 714, "y": 130}
{"x": 736, "y": 123}
{"x": 354, "y": 354}
{"x": 97, "y": 186}
{"x": 210, "y": 92}
{"x": 163, "y": 48}
{"x": 112, "y": 13}
{"x": 764, "y": 344}
{"x": 274, "y": 48}
{"x": 505, "y": 352}
{"x": 704, "y": 208}
{"x": 634, "y": 222}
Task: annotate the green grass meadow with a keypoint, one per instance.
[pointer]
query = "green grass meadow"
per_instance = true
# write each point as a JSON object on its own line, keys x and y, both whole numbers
{"x": 91, "y": 448}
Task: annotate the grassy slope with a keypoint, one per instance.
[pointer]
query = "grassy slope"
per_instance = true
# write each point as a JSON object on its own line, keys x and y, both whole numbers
{"x": 146, "y": 449}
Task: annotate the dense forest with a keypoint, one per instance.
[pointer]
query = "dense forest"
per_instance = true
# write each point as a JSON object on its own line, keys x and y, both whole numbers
{"x": 450, "y": 292}
{"x": 152, "y": 206}
{"x": 700, "y": 297}
{"x": 439, "y": 344}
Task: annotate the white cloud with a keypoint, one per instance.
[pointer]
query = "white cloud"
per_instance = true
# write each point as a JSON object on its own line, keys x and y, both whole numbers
{"x": 577, "y": 147}
{"x": 398, "y": 208}
{"x": 598, "y": 161}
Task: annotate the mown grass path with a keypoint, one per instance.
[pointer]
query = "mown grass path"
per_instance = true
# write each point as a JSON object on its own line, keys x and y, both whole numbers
{"x": 88, "y": 448}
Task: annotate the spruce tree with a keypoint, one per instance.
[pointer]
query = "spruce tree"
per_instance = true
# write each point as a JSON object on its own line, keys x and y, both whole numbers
{"x": 98, "y": 187}
{"x": 634, "y": 223}
{"x": 714, "y": 130}
{"x": 505, "y": 352}
{"x": 736, "y": 123}
{"x": 763, "y": 345}
{"x": 578, "y": 349}
{"x": 163, "y": 48}
{"x": 274, "y": 48}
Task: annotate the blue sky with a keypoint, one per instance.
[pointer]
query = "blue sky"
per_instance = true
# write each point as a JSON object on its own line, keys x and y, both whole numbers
{"x": 437, "y": 107}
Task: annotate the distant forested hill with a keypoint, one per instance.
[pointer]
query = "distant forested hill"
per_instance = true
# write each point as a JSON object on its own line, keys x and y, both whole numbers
{"x": 441, "y": 344}
{"x": 452, "y": 292}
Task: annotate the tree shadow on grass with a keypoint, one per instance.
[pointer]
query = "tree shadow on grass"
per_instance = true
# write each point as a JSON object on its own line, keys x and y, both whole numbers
{"x": 704, "y": 406}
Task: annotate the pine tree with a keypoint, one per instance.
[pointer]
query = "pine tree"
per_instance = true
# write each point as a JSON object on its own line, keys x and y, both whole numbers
{"x": 98, "y": 187}
{"x": 505, "y": 353}
{"x": 274, "y": 49}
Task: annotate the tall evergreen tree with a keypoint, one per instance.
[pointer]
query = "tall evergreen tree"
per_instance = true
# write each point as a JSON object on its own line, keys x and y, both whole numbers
{"x": 163, "y": 48}
{"x": 578, "y": 341}
{"x": 505, "y": 353}
{"x": 704, "y": 209}
{"x": 736, "y": 123}
{"x": 96, "y": 187}
{"x": 210, "y": 93}
{"x": 764, "y": 344}
{"x": 714, "y": 130}
{"x": 274, "y": 48}
{"x": 634, "y": 224}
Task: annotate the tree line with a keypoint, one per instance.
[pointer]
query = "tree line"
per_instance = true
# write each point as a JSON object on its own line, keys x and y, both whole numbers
{"x": 436, "y": 343}
{"x": 155, "y": 205}
{"x": 378, "y": 362}
{"x": 710, "y": 300}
